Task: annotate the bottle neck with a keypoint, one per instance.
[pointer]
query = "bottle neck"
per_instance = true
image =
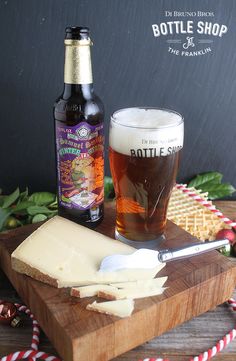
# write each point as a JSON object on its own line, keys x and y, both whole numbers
{"x": 71, "y": 89}
{"x": 78, "y": 68}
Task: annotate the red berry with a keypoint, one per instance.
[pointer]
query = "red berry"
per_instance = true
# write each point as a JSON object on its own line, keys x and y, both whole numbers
{"x": 226, "y": 233}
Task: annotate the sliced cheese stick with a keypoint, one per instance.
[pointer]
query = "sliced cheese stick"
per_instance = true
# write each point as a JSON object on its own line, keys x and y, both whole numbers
{"x": 156, "y": 282}
{"x": 130, "y": 293}
{"x": 91, "y": 290}
{"x": 120, "y": 308}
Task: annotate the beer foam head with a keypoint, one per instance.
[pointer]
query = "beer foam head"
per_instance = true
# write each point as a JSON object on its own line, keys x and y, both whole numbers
{"x": 158, "y": 131}
{"x": 146, "y": 118}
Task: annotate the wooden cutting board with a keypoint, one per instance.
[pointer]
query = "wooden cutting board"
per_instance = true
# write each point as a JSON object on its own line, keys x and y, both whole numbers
{"x": 195, "y": 285}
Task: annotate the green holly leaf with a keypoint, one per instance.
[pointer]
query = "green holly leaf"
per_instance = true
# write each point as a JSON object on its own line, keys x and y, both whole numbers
{"x": 216, "y": 191}
{"x": 23, "y": 196}
{"x": 211, "y": 182}
{"x": 10, "y": 199}
{"x": 205, "y": 178}
{"x": 4, "y": 214}
{"x": 53, "y": 205}
{"x": 22, "y": 206}
{"x": 42, "y": 198}
{"x": 33, "y": 210}
{"x": 2, "y": 200}
{"x": 39, "y": 218}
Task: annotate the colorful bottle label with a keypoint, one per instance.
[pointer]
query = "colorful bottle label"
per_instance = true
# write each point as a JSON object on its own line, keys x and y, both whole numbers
{"x": 80, "y": 165}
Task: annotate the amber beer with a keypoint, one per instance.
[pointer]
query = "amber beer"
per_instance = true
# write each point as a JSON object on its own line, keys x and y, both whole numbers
{"x": 144, "y": 154}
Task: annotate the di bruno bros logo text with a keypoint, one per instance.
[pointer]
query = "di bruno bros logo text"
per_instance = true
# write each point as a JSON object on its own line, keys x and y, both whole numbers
{"x": 189, "y": 38}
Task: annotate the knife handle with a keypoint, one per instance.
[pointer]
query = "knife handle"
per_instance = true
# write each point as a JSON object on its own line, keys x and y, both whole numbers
{"x": 191, "y": 250}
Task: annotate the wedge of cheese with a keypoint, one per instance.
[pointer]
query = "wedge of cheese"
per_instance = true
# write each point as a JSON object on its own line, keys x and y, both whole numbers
{"x": 65, "y": 254}
{"x": 90, "y": 291}
{"x": 134, "y": 293}
{"x": 120, "y": 308}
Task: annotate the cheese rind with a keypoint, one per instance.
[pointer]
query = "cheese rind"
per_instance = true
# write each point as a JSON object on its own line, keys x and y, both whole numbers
{"x": 90, "y": 291}
{"x": 120, "y": 308}
{"x": 65, "y": 254}
{"x": 133, "y": 293}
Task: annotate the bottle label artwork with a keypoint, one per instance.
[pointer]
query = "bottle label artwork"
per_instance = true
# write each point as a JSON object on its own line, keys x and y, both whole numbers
{"x": 80, "y": 165}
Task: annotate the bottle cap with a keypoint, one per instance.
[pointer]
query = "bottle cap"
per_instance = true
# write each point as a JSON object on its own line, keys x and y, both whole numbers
{"x": 77, "y": 33}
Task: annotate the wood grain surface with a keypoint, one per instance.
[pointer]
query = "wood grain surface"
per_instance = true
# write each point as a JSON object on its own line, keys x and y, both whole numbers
{"x": 102, "y": 337}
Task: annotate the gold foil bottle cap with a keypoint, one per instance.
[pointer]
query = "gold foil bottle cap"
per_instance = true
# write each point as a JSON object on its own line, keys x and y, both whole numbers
{"x": 77, "y": 33}
{"x": 78, "y": 68}
{"x": 77, "y": 36}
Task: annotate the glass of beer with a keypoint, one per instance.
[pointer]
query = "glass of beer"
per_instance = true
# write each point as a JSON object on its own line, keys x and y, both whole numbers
{"x": 144, "y": 153}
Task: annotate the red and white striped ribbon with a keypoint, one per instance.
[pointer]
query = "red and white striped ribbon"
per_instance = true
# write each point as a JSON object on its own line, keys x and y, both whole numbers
{"x": 221, "y": 344}
{"x": 29, "y": 354}
{"x": 33, "y": 353}
{"x": 36, "y": 330}
{"x": 206, "y": 204}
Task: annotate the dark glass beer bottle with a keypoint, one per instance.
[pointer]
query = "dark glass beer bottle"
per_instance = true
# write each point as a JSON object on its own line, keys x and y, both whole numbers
{"x": 79, "y": 115}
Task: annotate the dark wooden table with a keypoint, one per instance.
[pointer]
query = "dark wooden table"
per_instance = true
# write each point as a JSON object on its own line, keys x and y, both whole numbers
{"x": 185, "y": 341}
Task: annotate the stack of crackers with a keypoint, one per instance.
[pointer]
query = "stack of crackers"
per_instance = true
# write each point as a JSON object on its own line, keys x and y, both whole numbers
{"x": 192, "y": 216}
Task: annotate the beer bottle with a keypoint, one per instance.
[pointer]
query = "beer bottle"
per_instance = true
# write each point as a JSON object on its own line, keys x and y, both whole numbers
{"x": 79, "y": 115}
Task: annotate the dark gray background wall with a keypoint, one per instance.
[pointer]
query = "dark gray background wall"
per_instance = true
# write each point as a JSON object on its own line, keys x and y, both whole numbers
{"x": 131, "y": 67}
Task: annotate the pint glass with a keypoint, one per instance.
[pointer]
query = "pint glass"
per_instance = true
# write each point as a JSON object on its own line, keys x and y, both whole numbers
{"x": 144, "y": 152}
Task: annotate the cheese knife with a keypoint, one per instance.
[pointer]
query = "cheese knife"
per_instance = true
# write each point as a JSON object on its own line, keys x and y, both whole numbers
{"x": 145, "y": 258}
